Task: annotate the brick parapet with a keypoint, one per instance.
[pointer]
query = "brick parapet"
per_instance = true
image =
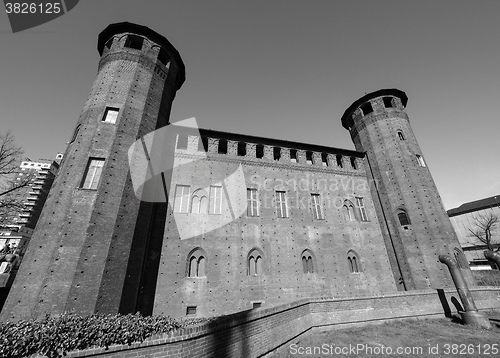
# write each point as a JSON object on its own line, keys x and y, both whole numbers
{"x": 257, "y": 332}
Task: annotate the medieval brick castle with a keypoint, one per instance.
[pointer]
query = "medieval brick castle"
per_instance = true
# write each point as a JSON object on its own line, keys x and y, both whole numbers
{"x": 250, "y": 222}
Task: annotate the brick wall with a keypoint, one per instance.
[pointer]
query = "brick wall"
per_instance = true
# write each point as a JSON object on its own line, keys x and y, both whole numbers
{"x": 226, "y": 285}
{"x": 254, "y": 333}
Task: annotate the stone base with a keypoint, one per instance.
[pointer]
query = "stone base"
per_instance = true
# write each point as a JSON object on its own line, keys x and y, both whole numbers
{"x": 475, "y": 318}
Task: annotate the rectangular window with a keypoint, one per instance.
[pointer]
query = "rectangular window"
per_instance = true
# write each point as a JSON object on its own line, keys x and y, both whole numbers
{"x": 420, "y": 160}
{"x": 191, "y": 311}
{"x": 215, "y": 200}
{"x": 252, "y": 203}
{"x": 181, "y": 204}
{"x": 281, "y": 208}
{"x": 362, "y": 209}
{"x": 110, "y": 115}
{"x": 92, "y": 173}
{"x": 316, "y": 206}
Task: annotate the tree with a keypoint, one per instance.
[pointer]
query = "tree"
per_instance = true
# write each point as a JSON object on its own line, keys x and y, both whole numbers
{"x": 482, "y": 229}
{"x": 10, "y": 182}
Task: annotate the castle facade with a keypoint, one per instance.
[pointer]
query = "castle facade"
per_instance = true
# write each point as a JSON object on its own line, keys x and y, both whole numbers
{"x": 234, "y": 222}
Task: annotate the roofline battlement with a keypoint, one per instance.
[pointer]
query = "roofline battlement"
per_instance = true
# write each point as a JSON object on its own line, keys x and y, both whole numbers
{"x": 347, "y": 118}
{"x": 128, "y": 27}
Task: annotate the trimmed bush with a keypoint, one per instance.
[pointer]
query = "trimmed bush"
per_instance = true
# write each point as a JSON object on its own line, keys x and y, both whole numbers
{"x": 56, "y": 336}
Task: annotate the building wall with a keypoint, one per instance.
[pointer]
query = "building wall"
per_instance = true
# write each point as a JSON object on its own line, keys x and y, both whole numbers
{"x": 227, "y": 285}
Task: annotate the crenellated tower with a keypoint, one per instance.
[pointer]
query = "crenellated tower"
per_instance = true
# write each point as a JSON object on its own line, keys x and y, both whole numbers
{"x": 414, "y": 222}
{"x": 96, "y": 246}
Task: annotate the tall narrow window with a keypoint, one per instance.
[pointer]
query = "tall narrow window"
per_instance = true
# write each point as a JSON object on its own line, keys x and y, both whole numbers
{"x": 199, "y": 202}
{"x": 316, "y": 206}
{"x": 362, "y": 210}
{"x": 307, "y": 262}
{"x": 403, "y": 218}
{"x": 110, "y": 115}
{"x": 254, "y": 261}
{"x": 181, "y": 203}
{"x": 196, "y": 263}
{"x": 281, "y": 208}
{"x": 215, "y": 200}
{"x": 353, "y": 261}
{"x": 252, "y": 202}
{"x": 293, "y": 155}
{"x": 348, "y": 210}
{"x": 420, "y": 160}
{"x": 401, "y": 135}
{"x": 92, "y": 173}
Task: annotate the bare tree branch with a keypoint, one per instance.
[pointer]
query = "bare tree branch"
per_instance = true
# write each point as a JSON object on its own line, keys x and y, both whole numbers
{"x": 10, "y": 180}
{"x": 484, "y": 224}
{"x": 10, "y": 154}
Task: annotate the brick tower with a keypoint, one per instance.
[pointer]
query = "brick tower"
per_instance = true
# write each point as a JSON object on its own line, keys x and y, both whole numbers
{"x": 414, "y": 222}
{"x": 96, "y": 246}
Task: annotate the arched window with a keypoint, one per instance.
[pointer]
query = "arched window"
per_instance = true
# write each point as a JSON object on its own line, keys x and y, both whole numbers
{"x": 353, "y": 261}
{"x": 461, "y": 259}
{"x": 401, "y": 136}
{"x": 196, "y": 263}
{"x": 199, "y": 202}
{"x": 404, "y": 220}
{"x": 307, "y": 262}
{"x": 348, "y": 210}
{"x": 254, "y": 261}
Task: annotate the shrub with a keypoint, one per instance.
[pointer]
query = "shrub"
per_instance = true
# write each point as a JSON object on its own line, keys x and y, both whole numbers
{"x": 55, "y": 336}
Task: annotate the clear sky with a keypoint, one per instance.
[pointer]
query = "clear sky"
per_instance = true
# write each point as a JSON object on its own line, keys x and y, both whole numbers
{"x": 283, "y": 69}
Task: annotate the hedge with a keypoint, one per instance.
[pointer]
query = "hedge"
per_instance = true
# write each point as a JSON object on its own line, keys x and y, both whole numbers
{"x": 55, "y": 336}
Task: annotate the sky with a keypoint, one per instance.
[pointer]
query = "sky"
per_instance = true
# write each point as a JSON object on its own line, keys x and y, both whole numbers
{"x": 283, "y": 69}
